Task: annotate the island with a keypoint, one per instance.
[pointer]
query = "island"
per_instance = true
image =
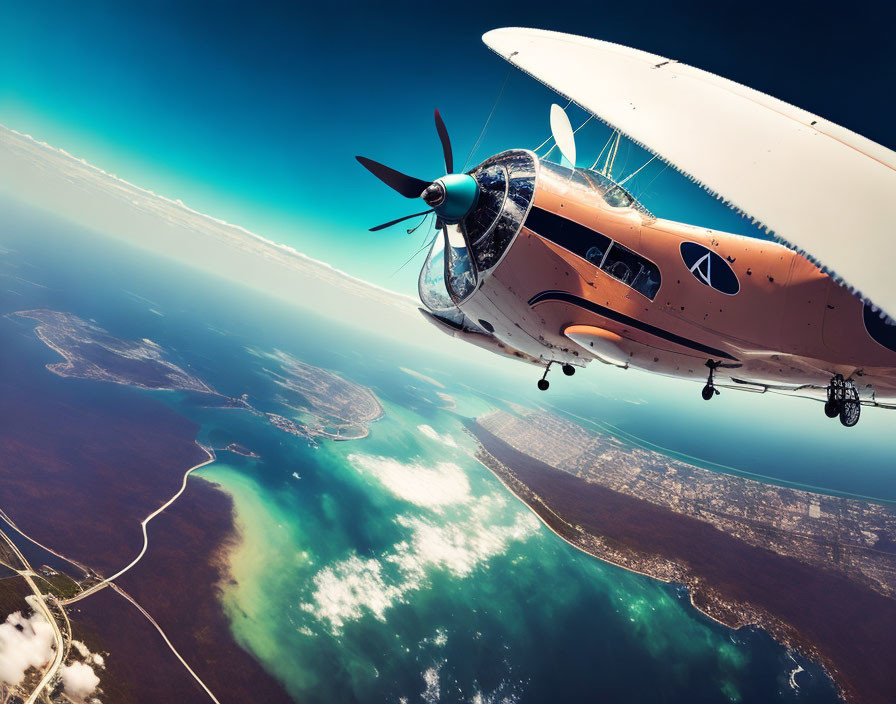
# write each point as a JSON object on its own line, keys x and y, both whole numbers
{"x": 326, "y": 405}
{"x": 238, "y": 449}
{"x": 818, "y": 572}
{"x": 92, "y": 353}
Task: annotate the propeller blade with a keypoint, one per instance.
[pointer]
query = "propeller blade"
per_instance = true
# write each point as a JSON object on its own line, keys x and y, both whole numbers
{"x": 395, "y": 222}
{"x": 446, "y": 143}
{"x": 563, "y": 134}
{"x": 408, "y": 186}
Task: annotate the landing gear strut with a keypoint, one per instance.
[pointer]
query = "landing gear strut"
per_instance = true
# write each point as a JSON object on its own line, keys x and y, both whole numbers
{"x": 843, "y": 401}
{"x": 710, "y": 390}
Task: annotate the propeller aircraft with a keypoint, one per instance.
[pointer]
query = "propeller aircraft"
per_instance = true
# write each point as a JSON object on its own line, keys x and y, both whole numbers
{"x": 554, "y": 264}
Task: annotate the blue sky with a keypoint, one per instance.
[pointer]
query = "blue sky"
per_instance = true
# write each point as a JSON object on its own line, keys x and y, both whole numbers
{"x": 253, "y": 112}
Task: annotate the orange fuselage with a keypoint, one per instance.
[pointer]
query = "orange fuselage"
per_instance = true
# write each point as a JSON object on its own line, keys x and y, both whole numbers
{"x": 787, "y": 324}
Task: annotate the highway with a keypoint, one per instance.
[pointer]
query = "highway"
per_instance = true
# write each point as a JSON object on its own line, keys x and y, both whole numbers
{"x": 37, "y": 602}
{"x": 100, "y": 585}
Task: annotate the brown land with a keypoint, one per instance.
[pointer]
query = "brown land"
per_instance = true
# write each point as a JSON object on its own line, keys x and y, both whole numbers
{"x": 178, "y": 582}
{"x": 79, "y": 476}
{"x": 331, "y": 407}
{"x": 845, "y": 625}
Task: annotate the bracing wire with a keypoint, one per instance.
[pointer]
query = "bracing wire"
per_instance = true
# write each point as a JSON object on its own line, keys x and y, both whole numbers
{"x": 417, "y": 226}
{"x": 650, "y": 183}
{"x": 590, "y": 117}
{"x": 488, "y": 119}
{"x": 574, "y": 131}
{"x": 426, "y": 244}
{"x": 609, "y": 139}
{"x": 636, "y": 172}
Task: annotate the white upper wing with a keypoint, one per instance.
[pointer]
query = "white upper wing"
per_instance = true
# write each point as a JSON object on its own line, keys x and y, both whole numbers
{"x": 817, "y": 186}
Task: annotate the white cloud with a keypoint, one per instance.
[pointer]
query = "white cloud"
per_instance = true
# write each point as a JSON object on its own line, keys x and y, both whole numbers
{"x": 86, "y": 655}
{"x": 349, "y": 589}
{"x": 459, "y": 546}
{"x": 430, "y": 487}
{"x": 78, "y": 680}
{"x": 24, "y": 643}
{"x": 433, "y": 691}
{"x": 354, "y": 587}
{"x": 431, "y": 433}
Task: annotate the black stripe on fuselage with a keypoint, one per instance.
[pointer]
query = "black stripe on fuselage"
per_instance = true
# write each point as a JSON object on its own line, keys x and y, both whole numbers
{"x": 611, "y": 314}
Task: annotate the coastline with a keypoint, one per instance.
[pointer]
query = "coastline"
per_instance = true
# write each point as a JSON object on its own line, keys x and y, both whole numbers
{"x": 191, "y": 544}
{"x": 719, "y": 601}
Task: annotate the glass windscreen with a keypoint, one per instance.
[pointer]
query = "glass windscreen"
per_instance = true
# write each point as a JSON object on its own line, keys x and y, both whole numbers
{"x": 506, "y": 186}
{"x": 459, "y": 268}
{"x": 431, "y": 284}
{"x": 563, "y": 178}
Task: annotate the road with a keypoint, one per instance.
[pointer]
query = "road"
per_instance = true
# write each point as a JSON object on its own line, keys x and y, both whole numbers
{"x": 170, "y": 645}
{"x": 38, "y": 603}
{"x": 100, "y": 585}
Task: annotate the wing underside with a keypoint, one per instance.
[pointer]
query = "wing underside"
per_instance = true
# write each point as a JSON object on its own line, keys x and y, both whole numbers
{"x": 816, "y": 186}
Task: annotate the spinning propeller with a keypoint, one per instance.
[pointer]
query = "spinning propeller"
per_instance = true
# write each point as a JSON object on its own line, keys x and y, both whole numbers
{"x": 450, "y": 197}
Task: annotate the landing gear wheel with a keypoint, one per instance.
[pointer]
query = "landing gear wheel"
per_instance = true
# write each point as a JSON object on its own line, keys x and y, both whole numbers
{"x": 543, "y": 384}
{"x": 850, "y": 409}
{"x": 708, "y": 392}
{"x": 568, "y": 369}
{"x": 843, "y": 401}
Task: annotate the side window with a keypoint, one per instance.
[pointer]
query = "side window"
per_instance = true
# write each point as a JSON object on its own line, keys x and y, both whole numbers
{"x": 578, "y": 239}
{"x": 633, "y": 270}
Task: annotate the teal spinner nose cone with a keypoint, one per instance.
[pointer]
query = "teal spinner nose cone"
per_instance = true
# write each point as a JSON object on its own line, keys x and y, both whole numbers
{"x": 452, "y": 196}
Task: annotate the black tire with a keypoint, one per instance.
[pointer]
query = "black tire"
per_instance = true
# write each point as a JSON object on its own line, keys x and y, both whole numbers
{"x": 543, "y": 384}
{"x": 568, "y": 369}
{"x": 831, "y": 408}
{"x": 850, "y": 412}
{"x": 708, "y": 392}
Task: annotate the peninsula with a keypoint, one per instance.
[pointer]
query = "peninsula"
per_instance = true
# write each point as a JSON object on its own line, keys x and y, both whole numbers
{"x": 818, "y": 572}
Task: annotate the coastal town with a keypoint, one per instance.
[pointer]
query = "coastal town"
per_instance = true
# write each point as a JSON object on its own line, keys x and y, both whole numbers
{"x": 805, "y": 567}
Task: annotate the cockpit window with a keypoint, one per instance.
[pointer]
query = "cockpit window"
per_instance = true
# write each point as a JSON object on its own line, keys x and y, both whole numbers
{"x": 431, "y": 284}
{"x": 596, "y": 248}
{"x": 578, "y": 239}
{"x": 460, "y": 271}
{"x": 632, "y": 269}
{"x": 563, "y": 178}
{"x": 506, "y": 186}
